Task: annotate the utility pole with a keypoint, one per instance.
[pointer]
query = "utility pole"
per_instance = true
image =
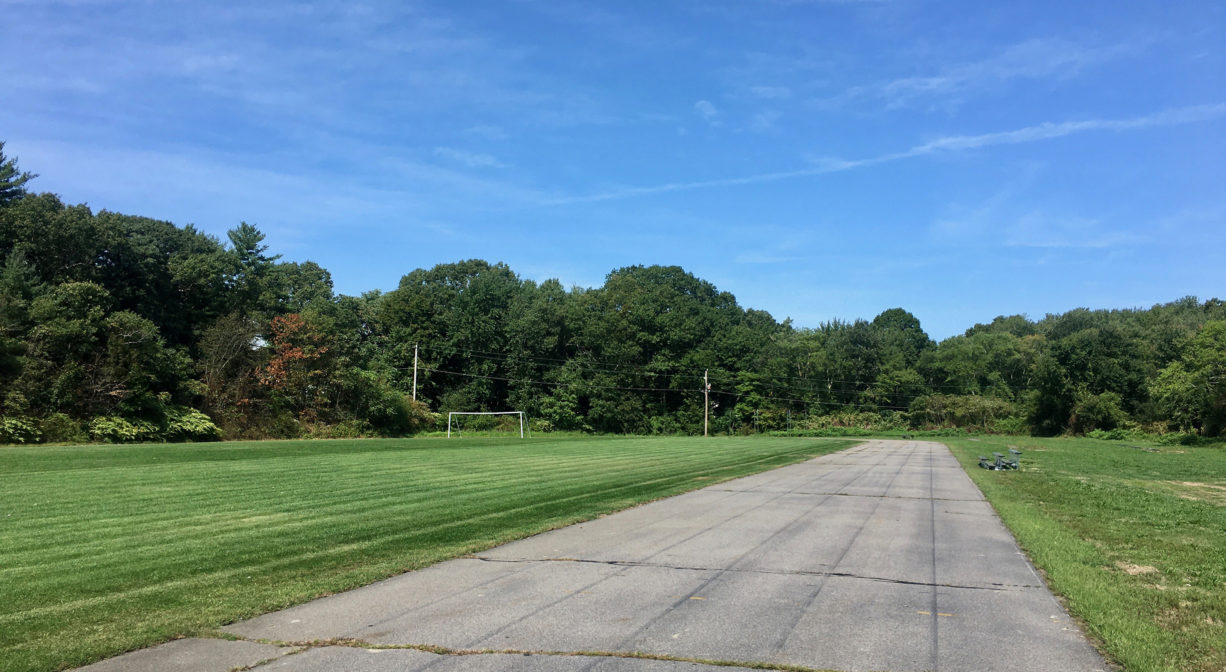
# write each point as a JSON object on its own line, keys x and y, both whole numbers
{"x": 706, "y": 402}
{"x": 415, "y": 373}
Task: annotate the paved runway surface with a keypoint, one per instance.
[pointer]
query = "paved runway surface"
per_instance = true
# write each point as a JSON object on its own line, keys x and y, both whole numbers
{"x": 881, "y": 557}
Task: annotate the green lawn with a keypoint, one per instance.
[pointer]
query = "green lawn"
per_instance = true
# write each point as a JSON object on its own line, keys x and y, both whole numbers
{"x": 1133, "y": 535}
{"x": 108, "y": 548}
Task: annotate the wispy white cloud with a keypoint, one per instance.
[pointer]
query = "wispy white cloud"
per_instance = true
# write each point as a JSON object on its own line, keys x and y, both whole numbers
{"x": 1043, "y": 230}
{"x": 612, "y": 23}
{"x": 707, "y": 112}
{"x": 766, "y": 257}
{"x": 487, "y": 131}
{"x": 470, "y": 159}
{"x": 1037, "y": 59}
{"x": 763, "y": 121}
{"x": 953, "y": 143}
{"x": 962, "y": 222}
{"x": 1049, "y": 130}
{"x": 790, "y": 3}
{"x": 216, "y": 191}
{"x": 770, "y": 92}
{"x": 1014, "y": 216}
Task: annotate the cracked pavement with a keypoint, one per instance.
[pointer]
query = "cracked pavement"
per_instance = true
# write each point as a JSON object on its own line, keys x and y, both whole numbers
{"x": 884, "y": 556}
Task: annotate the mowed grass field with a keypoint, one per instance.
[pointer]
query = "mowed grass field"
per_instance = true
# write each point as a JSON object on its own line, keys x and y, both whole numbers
{"x": 1132, "y": 535}
{"x": 104, "y": 549}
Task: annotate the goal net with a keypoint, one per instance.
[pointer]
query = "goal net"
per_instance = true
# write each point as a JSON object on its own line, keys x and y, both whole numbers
{"x": 492, "y": 424}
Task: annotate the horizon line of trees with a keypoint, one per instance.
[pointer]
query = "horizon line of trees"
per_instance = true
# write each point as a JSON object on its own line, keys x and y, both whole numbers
{"x": 123, "y": 328}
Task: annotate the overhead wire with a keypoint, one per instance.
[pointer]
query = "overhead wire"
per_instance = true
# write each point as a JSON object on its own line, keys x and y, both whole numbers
{"x": 591, "y": 385}
{"x": 588, "y": 385}
{"x": 639, "y": 369}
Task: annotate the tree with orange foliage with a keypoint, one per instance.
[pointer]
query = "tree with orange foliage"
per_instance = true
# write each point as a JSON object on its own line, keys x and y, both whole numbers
{"x": 299, "y": 370}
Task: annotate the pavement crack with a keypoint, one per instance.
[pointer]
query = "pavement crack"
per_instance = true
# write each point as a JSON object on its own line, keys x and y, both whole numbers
{"x": 350, "y": 642}
{"x": 778, "y": 572}
{"x": 849, "y": 494}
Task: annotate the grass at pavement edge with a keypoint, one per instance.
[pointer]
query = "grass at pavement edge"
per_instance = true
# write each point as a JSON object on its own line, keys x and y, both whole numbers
{"x": 1132, "y": 536}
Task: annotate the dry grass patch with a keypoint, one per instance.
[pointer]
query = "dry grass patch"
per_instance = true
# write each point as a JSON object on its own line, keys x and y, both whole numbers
{"x": 1135, "y": 570}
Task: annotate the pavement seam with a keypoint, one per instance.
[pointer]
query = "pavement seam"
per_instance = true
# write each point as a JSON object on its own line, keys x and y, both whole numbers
{"x": 849, "y": 494}
{"x": 401, "y": 614}
{"x": 782, "y": 642}
{"x": 673, "y": 545}
{"x": 932, "y": 525}
{"x": 721, "y": 572}
{"x": 260, "y": 663}
{"x": 780, "y": 572}
{"x": 348, "y": 642}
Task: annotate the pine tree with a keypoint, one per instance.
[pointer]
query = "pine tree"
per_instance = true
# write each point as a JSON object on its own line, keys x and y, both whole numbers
{"x": 12, "y": 180}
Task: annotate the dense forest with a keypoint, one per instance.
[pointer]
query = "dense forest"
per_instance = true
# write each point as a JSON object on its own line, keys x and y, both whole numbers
{"x": 123, "y": 328}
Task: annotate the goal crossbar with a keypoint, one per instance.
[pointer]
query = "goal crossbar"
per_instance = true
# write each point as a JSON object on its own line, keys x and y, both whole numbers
{"x": 519, "y": 413}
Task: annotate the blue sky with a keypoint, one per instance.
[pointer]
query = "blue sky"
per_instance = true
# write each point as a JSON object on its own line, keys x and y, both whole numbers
{"x": 818, "y": 159}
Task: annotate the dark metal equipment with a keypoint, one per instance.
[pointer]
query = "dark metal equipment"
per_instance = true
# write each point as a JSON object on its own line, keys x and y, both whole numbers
{"x": 1001, "y": 463}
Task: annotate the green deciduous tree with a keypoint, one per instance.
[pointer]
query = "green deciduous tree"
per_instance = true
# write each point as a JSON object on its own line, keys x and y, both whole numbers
{"x": 1192, "y": 391}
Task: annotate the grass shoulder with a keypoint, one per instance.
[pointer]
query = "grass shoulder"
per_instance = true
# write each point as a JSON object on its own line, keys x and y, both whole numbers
{"x": 1131, "y": 534}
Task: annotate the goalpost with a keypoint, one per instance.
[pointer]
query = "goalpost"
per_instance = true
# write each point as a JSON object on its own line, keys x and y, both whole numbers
{"x": 519, "y": 413}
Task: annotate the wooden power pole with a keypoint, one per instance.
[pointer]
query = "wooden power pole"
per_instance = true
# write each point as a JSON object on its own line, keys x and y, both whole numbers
{"x": 414, "y": 372}
{"x": 706, "y": 402}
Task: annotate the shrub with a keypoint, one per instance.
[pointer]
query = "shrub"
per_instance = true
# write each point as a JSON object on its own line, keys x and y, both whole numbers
{"x": 826, "y": 432}
{"x": 347, "y": 429}
{"x": 279, "y": 425}
{"x": 59, "y": 428}
{"x": 114, "y": 429}
{"x": 540, "y": 425}
{"x": 388, "y": 411}
{"x": 18, "y": 430}
{"x": 1011, "y": 425}
{"x": 1097, "y": 411}
{"x": 1178, "y": 438}
{"x": 665, "y": 425}
{"x": 863, "y": 420}
{"x": 945, "y": 431}
{"x": 960, "y": 410}
{"x": 189, "y": 424}
{"x": 421, "y": 418}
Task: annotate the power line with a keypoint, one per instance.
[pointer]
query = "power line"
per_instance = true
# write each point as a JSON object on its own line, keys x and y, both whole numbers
{"x": 559, "y": 384}
{"x": 585, "y": 385}
{"x": 640, "y": 369}
{"x": 565, "y": 362}
{"x": 793, "y": 388}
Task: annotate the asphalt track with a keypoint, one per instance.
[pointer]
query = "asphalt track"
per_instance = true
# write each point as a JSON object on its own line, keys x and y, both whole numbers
{"x": 881, "y": 557}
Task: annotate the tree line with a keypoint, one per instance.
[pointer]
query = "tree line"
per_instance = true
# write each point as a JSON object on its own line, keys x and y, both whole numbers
{"x": 122, "y": 328}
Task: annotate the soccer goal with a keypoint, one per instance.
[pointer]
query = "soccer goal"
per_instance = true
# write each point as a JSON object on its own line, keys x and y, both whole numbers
{"x": 451, "y": 414}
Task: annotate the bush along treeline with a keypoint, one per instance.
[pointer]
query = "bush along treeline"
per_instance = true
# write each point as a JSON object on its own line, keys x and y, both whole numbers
{"x": 120, "y": 328}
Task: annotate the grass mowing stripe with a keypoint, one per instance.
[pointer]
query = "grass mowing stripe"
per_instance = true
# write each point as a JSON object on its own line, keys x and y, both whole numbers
{"x": 209, "y": 527}
{"x": 139, "y": 576}
{"x": 212, "y": 486}
{"x": 377, "y": 508}
{"x": 243, "y": 509}
{"x": 358, "y": 491}
{"x": 298, "y": 560}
